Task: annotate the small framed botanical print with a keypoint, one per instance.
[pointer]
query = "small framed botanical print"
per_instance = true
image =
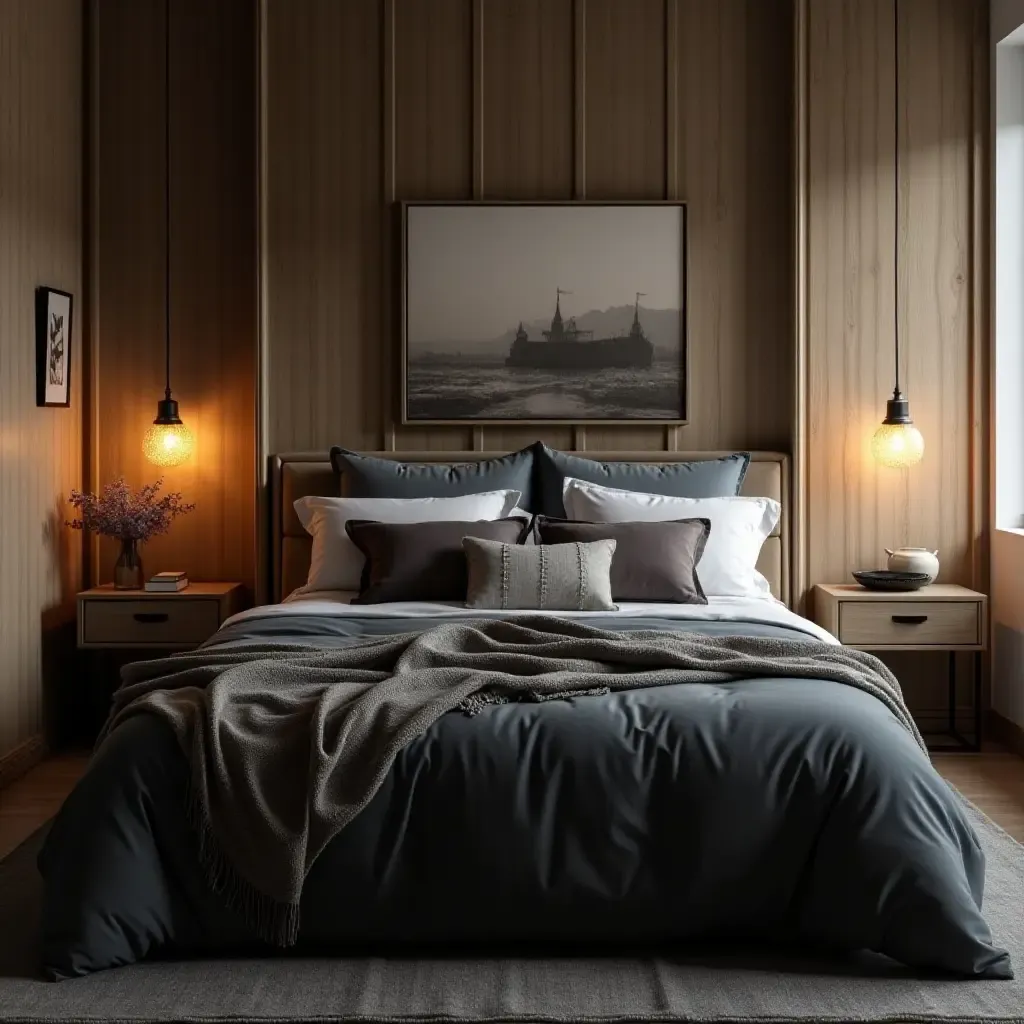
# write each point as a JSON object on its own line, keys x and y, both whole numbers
{"x": 53, "y": 347}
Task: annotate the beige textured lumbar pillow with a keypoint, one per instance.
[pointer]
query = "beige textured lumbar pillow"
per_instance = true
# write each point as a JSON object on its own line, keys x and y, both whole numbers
{"x": 551, "y": 577}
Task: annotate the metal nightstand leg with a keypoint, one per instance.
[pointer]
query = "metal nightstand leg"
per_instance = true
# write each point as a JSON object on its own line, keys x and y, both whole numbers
{"x": 977, "y": 700}
{"x": 973, "y": 744}
{"x": 951, "y": 697}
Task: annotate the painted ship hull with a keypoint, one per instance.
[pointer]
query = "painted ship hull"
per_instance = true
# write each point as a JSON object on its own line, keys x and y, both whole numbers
{"x": 622, "y": 353}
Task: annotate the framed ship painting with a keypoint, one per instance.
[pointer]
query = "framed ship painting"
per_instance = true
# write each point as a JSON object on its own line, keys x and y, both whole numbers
{"x": 544, "y": 313}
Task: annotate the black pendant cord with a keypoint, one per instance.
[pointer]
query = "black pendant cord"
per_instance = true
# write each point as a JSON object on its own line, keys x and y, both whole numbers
{"x": 896, "y": 205}
{"x": 167, "y": 196}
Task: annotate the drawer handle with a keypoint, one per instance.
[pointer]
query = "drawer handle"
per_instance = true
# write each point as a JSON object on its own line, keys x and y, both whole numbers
{"x": 910, "y": 620}
{"x": 150, "y": 616}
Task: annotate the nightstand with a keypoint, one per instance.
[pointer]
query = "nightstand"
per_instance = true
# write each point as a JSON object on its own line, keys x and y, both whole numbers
{"x": 118, "y": 626}
{"x": 138, "y": 620}
{"x": 940, "y": 617}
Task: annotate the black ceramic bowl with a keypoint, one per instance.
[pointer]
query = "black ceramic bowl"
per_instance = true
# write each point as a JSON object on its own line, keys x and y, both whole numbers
{"x": 882, "y": 579}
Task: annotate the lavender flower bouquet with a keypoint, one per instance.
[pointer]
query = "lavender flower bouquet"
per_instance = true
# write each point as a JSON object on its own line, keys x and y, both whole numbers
{"x": 131, "y": 517}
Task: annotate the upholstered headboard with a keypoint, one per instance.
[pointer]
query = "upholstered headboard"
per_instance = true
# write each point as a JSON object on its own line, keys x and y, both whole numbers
{"x": 297, "y": 474}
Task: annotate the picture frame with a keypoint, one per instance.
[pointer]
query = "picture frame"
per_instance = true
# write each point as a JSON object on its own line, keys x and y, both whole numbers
{"x": 54, "y": 311}
{"x": 492, "y": 335}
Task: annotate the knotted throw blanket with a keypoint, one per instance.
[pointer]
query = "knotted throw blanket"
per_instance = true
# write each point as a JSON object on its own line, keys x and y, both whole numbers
{"x": 288, "y": 744}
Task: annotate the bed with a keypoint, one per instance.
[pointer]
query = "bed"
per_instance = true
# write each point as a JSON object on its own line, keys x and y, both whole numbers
{"x": 770, "y": 809}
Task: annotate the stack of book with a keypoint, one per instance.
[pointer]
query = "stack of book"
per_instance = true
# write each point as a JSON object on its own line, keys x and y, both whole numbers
{"x": 166, "y": 582}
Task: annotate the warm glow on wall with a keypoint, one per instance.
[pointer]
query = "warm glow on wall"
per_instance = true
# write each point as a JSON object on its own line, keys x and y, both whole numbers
{"x": 897, "y": 445}
{"x": 168, "y": 444}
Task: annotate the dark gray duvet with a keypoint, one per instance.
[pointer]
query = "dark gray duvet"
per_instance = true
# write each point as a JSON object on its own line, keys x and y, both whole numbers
{"x": 781, "y": 811}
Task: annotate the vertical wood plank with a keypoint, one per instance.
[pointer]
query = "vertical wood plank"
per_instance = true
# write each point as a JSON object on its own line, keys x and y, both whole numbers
{"x": 388, "y": 233}
{"x": 213, "y": 268}
{"x": 854, "y": 507}
{"x": 91, "y": 353}
{"x": 625, "y": 143}
{"x": 479, "y": 99}
{"x": 733, "y": 105}
{"x": 326, "y": 241}
{"x": 41, "y": 125}
{"x": 937, "y": 233}
{"x": 980, "y": 264}
{"x": 213, "y": 285}
{"x": 672, "y": 130}
{"x": 433, "y": 138}
{"x": 528, "y": 125}
{"x": 800, "y": 184}
{"x": 579, "y": 80}
{"x": 479, "y": 153}
{"x": 624, "y": 112}
{"x": 528, "y": 99}
{"x": 128, "y": 220}
{"x": 492, "y": 102}
{"x": 982, "y": 328}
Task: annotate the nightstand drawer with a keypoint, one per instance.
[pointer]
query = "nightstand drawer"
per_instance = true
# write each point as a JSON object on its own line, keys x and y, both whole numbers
{"x": 168, "y": 623}
{"x": 910, "y": 623}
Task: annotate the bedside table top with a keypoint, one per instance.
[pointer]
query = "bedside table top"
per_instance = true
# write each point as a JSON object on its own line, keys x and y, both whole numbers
{"x": 109, "y": 592}
{"x": 932, "y": 592}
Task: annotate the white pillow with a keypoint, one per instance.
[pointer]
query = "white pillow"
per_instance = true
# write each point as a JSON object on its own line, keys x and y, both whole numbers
{"x": 739, "y": 526}
{"x": 337, "y": 564}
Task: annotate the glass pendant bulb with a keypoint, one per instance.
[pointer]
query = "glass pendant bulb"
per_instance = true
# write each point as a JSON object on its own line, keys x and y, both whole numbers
{"x": 168, "y": 442}
{"x": 897, "y": 443}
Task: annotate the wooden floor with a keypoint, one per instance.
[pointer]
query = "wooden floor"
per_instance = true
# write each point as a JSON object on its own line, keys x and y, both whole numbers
{"x": 994, "y": 780}
{"x": 36, "y": 797}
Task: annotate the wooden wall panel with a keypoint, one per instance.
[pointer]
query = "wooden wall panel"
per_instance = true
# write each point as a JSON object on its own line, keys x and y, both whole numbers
{"x": 528, "y": 99}
{"x": 528, "y": 130}
{"x": 322, "y": 236}
{"x": 623, "y": 110}
{"x": 734, "y": 108}
{"x": 472, "y": 98}
{"x": 432, "y": 68}
{"x": 214, "y": 259}
{"x": 41, "y": 127}
{"x": 624, "y": 101}
{"x": 856, "y": 508}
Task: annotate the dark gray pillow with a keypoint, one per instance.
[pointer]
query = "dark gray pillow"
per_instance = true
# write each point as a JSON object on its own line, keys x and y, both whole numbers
{"x": 713, "y": 478}
{"x": 653, "y": 561}
{"x": 421, "y": 561}
{"x": 364, "y": 476}
{"x": 552, "y": 577}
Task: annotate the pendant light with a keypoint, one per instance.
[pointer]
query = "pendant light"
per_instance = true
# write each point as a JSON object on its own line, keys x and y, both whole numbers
{"x": 168, "y": 442}
{"x": 897, "y": 442}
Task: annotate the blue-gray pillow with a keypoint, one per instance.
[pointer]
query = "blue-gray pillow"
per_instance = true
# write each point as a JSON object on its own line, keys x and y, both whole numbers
{"x": 712, "y": 478}
{"x": 364, "y": 476}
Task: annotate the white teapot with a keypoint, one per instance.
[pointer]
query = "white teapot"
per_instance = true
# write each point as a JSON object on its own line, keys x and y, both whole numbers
{"x": 913, "y": 560}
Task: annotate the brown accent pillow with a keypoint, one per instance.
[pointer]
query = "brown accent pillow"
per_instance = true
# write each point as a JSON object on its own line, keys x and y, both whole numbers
{"x": 652, "y": 561}
{"x": 421, "y": 561}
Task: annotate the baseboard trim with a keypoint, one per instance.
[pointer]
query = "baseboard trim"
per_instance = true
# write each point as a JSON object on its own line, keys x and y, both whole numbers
{"x": 24, "y": 756}
{"x": 1006, "y": 733}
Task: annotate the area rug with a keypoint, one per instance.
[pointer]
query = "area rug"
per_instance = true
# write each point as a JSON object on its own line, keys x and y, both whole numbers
{"x": 721, "y": 986}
